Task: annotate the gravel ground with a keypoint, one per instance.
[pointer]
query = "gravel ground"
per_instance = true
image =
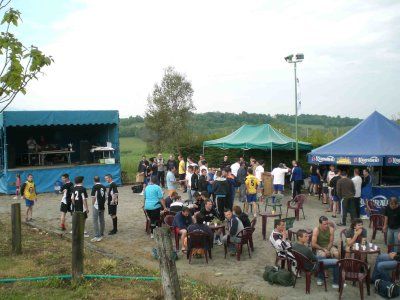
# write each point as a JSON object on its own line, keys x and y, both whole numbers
{"x": 133, "y": 243}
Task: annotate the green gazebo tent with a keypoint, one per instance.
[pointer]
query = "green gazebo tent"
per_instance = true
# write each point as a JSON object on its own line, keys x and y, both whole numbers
{"x": 263, "y": 137}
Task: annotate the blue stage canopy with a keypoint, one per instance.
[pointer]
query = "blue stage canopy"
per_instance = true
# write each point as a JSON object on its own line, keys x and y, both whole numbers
{"x": 373, "y": 142}
{"x": 51, "y": 118}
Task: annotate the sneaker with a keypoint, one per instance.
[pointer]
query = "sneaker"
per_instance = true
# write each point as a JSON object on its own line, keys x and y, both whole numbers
{"x": 99, "y": 239}
{"x": 219, "y": 243}
{"x": 320, "y": 282}
{"x": 94, "y": 239}
{"x": 141, "y": 194}
{"x": 112, "y": 232}
{"x": 70, "y": 232}
{"x": 151, "y": 236}
{"x": 15, "y": 198}
{"x": 335, "y": 286}
{"x": 85, "y": 235}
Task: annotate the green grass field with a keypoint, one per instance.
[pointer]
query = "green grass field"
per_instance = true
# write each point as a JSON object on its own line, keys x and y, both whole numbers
{"x": 132, "y": 149}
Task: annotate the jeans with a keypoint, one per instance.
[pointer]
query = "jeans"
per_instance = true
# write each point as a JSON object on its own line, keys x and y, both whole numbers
{"x": 242, "y": 193}
{"x": 347, "y": 206}
{"x": 392, "y": 238}
{"x": 383, "y": 264}
{"x": 161, "y": 178}
{"x": 98, "y": 217}
{"x": 329, "y": 263}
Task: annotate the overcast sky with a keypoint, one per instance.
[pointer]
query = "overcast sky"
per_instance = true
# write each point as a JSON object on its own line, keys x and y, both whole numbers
{"x": 109, "y": 54}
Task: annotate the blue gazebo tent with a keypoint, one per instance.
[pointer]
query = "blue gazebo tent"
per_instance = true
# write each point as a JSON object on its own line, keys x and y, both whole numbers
{"x": 373, "y": 142}
{"x": 60, "y": 128}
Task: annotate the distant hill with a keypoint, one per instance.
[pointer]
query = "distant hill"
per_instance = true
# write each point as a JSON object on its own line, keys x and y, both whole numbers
{"x": 219, "y": 123}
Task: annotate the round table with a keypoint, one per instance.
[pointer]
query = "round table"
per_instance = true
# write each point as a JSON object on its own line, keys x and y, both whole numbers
{"x": 362, "y": 253}
{"x": 215, "y": 228}
{"x": 264, "y": 218}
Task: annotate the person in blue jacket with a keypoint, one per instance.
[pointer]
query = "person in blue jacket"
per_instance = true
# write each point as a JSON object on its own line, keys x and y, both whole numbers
{"x": 297, "y": 178}
{"x": 181, "y": 222}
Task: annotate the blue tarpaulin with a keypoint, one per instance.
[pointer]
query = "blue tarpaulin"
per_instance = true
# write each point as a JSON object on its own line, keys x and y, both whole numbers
{"x": 373, "y": 142}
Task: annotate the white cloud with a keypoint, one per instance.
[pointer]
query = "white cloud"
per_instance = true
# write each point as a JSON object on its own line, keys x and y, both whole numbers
{"x": 108, "y": 55}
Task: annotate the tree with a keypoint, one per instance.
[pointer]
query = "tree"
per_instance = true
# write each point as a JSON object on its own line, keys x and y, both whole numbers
{"x": 20, "y": 64}
{"x": 168, "y": 111}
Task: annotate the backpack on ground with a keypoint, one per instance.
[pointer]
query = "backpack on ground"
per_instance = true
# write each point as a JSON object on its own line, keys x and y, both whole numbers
{"x": 387, "y": 289}
{"x": 274, "y": 275}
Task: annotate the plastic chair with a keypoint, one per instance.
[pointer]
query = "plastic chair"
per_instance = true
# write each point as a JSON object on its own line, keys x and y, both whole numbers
{"x": 372, "y": 209}
{"x": 198, "y": 240}
{"x": 302, "y": 261}
{"x": 296, "y": 204}
{"x": 289, "y": 222}
{"x": 274, "y": 201}
{"x": 168, "y": 220}
{"x": 354, "y": 270}
{"x": 244, "y": 236}
{"x": 378, "y": 221}
{"x": 252, "y": 225}
{"x": 342, "y": 240}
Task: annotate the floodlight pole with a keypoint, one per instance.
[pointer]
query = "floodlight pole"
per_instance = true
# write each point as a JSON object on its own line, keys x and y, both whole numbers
{"x": 295, "y": 105}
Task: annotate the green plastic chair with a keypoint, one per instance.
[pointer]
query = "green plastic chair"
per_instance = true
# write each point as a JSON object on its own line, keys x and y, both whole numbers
{"x": 274, "y": 201}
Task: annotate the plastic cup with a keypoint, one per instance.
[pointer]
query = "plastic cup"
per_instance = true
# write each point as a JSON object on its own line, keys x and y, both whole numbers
{"x": 215, "y": 224}
{"x": 208, "y": 223}
{"x": 376, "y": 247}
{"x": 371, "y": 245}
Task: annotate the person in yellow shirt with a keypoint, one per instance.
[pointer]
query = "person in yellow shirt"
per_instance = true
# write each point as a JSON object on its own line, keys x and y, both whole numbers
{"x": 251, "y": 191}
{"x": 28, "y": 192}
{"x": 182, "y": 172}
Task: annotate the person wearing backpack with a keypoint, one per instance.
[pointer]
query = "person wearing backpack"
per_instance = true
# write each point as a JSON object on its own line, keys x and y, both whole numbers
{"x": 301, "y": 247}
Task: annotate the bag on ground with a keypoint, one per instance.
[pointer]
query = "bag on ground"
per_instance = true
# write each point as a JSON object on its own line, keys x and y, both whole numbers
{"x": 274, "y": 275}
{"x": 387, "y": 289}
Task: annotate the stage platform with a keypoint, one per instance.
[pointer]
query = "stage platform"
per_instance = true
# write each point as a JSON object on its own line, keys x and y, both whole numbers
{"x": 46, "y": 176}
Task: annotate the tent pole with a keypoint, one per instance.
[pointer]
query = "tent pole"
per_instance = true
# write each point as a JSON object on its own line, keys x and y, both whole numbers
{"x": 271, "y": 157}
{"x": 203, "y": 150}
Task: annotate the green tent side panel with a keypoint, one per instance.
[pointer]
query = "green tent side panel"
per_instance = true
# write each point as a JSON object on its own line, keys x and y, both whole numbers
{"x": 262, "y": 137}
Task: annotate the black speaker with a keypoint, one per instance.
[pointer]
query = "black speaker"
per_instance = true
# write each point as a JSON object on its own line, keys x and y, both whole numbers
{"x": 84, "y": 152}
{"x": 11, "y": 157}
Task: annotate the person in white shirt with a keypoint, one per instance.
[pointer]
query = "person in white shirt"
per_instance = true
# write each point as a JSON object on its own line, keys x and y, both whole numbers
{"x": 278, "y": 175}
{"x": 234, "y": 168}
{"x": 203, "y": 166}
{"x": 357, "y": 180}
{"x": 188, "y": 179}
{"x": 329, "y": 176}
{"x": 259, "y": 169}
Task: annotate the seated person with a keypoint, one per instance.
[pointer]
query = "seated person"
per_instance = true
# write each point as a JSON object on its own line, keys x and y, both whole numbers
{"x": 242, "y": 216}
{"x": 356, "y": 234}
{"x": 198, "y": 201}
{"x": 385, "y": 263}
{"x": 181, "y": 222}
{"x": 170, "y": 199}
{"x": 301, "y": 247}
{"x": 200, "y": 227}
{"x": 208, "y": 211}
{"x": 322, "y": 240}
{"x": 279, "y": 240}
{"x": 234, "y": 226}
{"x": 204, "y": 196}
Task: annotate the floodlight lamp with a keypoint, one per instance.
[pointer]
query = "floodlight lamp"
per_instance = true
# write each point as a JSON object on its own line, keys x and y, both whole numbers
{"x": 289, "y": 58}
{"x": 299, "y": 56}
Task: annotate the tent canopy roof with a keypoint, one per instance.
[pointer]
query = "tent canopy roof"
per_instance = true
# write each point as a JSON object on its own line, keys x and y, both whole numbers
{"x": 257, "y": 137}
{"x": 66, "y": 117}
{"x": 374, "y": 142}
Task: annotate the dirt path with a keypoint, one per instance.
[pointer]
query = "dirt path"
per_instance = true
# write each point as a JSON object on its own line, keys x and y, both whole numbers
{"x": 132, "y": 242}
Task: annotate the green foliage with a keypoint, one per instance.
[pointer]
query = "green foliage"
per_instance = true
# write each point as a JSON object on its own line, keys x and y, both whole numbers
{"x": 21, "y": 64}
{"x": 168, "y": 111}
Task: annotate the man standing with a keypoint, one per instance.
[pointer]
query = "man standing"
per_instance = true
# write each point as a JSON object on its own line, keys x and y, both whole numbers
{"x": 225, "y": 163}
{"x": 221, "y": 191}
{"x": 112, "y": 201}
{"x": 345, "y": 190}
{"x": 160, "y": 170}
{"x": 241, "y": 181}
{"x": 66, "y": 203}
{"x": 98, "y": 199}
{"x": 278, "y": 175}
{"x": 182, "y": 172}
{"x": 79, "y": 199}
{"x": 357, "y": 180}
{"x": 172, "y": 163}
{"x": 297, "y": 178}
{"x": 235, "y": 167}
{"x": 259, "y": 170}
{"x": 28, "y": 193}
{"x": 194, "y": 181}
{"x": 142, "y": 165}
{"x": 171, "y": 181}
{"x": 251, "y": 188}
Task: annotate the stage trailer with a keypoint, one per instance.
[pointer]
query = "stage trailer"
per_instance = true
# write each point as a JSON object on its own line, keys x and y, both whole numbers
{"x": 80, "y": 143}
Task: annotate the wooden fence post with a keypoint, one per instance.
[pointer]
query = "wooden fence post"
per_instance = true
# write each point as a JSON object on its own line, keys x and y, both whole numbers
{"x": 16, "y": 228}
{"x": 78, "y": 227}
{"x": 169, "y": 274}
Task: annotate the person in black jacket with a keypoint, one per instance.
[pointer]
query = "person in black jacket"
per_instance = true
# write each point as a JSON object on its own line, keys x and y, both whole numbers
{"x": 221, "y": 191}
{"x": 203, "y": 183}
{"x": 335, "y": 198}
{"x": 225, "y": 163}
{"x": 142, "y": 165}
{"x": 241, "y": 181}
{"x": 194, "y": 180}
